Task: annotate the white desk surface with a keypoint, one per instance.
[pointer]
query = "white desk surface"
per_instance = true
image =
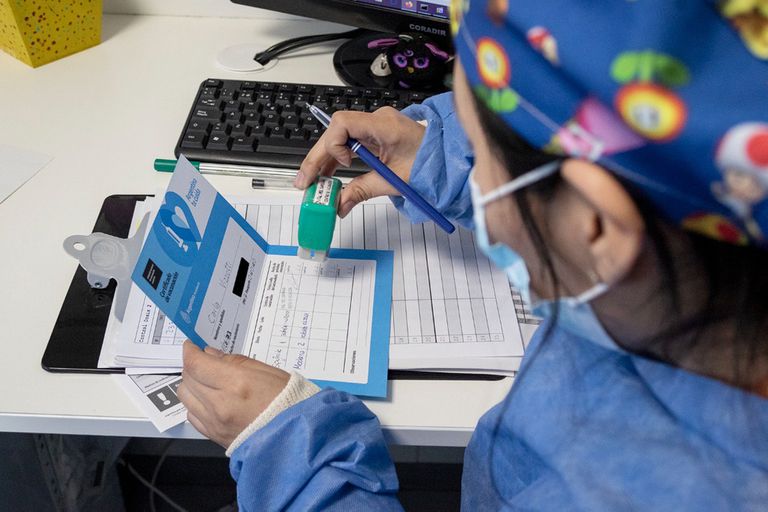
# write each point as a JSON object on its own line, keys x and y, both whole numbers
{"x": 104, "y": 115}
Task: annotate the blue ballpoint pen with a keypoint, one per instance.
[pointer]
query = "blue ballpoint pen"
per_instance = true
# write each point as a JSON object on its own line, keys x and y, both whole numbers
{"x": 389, "y": 175}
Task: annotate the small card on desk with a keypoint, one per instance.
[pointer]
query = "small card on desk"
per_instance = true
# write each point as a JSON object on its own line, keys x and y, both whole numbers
{"x": 223, "y": 285}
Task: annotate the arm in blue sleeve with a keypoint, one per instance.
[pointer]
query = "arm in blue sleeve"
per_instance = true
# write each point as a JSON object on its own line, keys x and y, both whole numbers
{"x": 325, "y": 453}
{"x": 440, "y": 171}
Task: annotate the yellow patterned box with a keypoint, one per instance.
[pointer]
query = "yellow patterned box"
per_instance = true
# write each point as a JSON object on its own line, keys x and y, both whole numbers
{"x": 41, "y": 31}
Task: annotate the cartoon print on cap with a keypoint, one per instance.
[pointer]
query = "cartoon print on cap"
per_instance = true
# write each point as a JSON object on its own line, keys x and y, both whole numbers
{"x": 652, "y": 110}
{"x": 742, "y": 157}
{"x": 594, "y": 130}
{"x": 545, "y": 43}
{"x": 495, "y": 73}
{"x": 715, "y": 226}
{"x": 750, "y": 19}
{"x": 493, "y": 63}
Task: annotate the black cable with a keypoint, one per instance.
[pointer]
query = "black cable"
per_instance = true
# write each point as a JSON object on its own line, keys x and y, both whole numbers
{"x": 153, "y": 483}
{"x": 297, "y": 42}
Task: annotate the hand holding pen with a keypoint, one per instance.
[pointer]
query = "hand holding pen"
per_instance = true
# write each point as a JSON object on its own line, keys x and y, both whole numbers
{"x": 393, "y": 136}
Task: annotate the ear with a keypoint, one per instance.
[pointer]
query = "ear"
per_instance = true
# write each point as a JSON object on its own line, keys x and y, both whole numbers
{"x": 610, "y": 224}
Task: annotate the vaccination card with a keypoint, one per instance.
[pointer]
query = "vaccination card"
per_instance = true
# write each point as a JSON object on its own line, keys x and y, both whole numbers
{"x": 212, "y": 275}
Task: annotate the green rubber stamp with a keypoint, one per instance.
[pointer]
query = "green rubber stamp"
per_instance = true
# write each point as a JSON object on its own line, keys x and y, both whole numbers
{"x": 317, "y": 218}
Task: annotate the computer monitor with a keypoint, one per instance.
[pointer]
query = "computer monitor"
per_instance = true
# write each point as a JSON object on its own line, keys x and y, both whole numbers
{"x": 428, "y": 17}
{"x": 353, "y": 60}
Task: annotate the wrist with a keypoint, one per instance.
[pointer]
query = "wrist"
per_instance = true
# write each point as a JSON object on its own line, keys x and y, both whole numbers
{"x": 297, "y": 390}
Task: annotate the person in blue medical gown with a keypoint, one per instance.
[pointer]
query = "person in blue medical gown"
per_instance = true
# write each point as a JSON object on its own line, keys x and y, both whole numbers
{"x": 612, "y": 158}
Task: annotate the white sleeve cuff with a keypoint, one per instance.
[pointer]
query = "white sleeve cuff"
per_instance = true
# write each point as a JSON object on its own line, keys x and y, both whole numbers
{"x": 297, "y": 389}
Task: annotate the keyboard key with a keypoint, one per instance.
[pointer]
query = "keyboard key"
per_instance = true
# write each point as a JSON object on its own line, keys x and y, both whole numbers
{"x": 284, "y": 146}
{"x": 247, "y": 86}
{"x": 297, "y": 133}
{"x": 220, "y": 127}
{"x": 252, "y": 118}
{"x": 340, "y": 103}
{"x": 209, "y": 103}
{"x": 241, "y": 129}
{"x": 370, "y": 93}
{"x": 291, "y": 121}
{"x": 219, "y": 141}
{"x": 269, "y": 108}
{"x": 286, "y": 87}
{"x": 199, "y": 126}
{"x": 259, "y": 131}
{"x": 315, "y": 133}
{"x": 251, "y": 106}
{"x": 209, "y": 92}
{"x": 388, "y": 95}
{"x": 332, "y": 91}
{"x": 211, "y": 114}
{"x": 271, "y": 119}
{"x": 211, "y": 82}
{"x": 267, "y": 86}
{"x": 194, "y": 140}
{"x": 234, "y": 117}
{"x": 304, "y": 89}
{"x": 243, "y": 143}
{"x": 232, "y": 106}
{"x": 351, "y": 92}
{"x": 276, "y": 132}
{"x": 357, "y": 108}
{"x": 308, "y": 120}
{"x": 227, "y": 94}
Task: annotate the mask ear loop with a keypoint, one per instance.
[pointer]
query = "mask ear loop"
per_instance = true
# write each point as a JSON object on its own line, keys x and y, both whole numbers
{"x": 598, "y": 289}
{"x": 527, "y": 179}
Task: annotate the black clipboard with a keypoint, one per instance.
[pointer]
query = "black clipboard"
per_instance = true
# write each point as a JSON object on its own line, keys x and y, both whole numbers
{"x": 75, "y": 343}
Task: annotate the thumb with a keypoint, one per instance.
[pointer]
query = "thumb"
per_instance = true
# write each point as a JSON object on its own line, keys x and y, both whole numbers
{"x": 362, "y": 188}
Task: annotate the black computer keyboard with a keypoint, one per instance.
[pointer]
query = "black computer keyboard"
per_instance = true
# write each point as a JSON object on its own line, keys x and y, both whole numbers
{"x": 268, "y": 124}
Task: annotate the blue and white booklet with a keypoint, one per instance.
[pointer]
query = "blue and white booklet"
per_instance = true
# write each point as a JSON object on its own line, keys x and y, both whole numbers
{"x": 223, "y": 285}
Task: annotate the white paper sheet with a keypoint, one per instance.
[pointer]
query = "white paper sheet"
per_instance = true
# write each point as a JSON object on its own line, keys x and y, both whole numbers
{"x": 156, "y": 396}
{"x": 315, "y": 318}
{"x": 17, "y": 166}
{"x": 448, "y": 300}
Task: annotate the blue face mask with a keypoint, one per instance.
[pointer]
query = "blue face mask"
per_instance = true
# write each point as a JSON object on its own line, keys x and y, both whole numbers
{"x": 575, "y": 315}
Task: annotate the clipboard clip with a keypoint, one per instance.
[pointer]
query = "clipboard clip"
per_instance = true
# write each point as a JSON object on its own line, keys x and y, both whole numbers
{"x": 106, "y": 257}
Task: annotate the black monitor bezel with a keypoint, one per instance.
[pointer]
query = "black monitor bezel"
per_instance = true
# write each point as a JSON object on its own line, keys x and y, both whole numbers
{"x": 348, "y": 12}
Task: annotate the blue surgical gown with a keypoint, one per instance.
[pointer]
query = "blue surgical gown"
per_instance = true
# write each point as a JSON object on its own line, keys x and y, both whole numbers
{"x": 583, "y": 428}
